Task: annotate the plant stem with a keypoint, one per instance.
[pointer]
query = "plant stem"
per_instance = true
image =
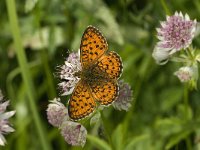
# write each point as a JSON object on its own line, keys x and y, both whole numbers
{"x": 44, "y": 58}
{"x": 164, "y": 5}
{"x": 108, "y": 135}
{"x": 25, "y": 72}
{"x": 186, "y": 101}
{"x": 188, "y": 143}
{"x": 187, "y": 115}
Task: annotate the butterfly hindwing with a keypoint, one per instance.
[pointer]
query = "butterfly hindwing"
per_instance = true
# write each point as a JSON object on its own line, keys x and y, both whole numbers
{"x": 104, "y": 91}
{"x": 81, "y": 103}
{"x": 110, "y": 65}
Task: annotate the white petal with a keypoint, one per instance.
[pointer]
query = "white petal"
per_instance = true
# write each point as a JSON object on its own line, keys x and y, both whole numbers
{"x": 187, "y": 18}
{"x": 197, "y": 29}
{"x": 159, "y": 46}
{"x": 193, "y": 29}
{"x": 7, "y": 128}
{"x": 67, "y": 92}
{"x": 69, "y": 64}
{"x": 180, "y": 14}
{"x": 161, "y": 56}
{"x": 168, "y": 18}
{"x": 7, "y": 115}
{"x": 176, "y": 13}
{"x": 79, "y": 52}
{"x": 163, "y": 24}
{"x": 68, "y": 78}
{"x": 173, "y": 51}
{"x": 3, "y": 106}
{"x": 160, "y": 38}
{"x": 2, "y": 140}
{"x": 158, "y": 29}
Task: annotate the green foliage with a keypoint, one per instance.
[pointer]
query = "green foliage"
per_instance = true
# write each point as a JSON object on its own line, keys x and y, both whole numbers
{"x": 164, "y": 113}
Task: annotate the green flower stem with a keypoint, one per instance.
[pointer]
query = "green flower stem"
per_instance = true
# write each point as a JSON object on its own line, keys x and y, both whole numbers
{"x": 190, "y": 55}
{"x": 188, "y": 143}
{"x": 25, "y": 72}
{"x": 187, "y": 111}
{"x": 44, "y": 58}
{"x": 164, "y": 5}
{"x": 186, "y": 101}
{"x": 106, "y": 129}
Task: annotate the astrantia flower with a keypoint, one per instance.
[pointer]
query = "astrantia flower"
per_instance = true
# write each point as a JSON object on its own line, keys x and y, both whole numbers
{"x": 5, "y": 127}
{"x": 56, "y": 113}
{"x": 74, "y": 133}
{"x": 186, "y": 74}
{"x": 67, "y": 73}
{"x": 123, "y": 101}
{"x": 175, "y": 33}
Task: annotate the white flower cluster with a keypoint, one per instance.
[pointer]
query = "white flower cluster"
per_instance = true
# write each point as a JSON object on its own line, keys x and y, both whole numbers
{"x": 175, "y": 38}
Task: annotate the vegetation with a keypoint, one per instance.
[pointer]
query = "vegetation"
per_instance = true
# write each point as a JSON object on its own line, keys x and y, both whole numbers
{"x": 36, "y": 36}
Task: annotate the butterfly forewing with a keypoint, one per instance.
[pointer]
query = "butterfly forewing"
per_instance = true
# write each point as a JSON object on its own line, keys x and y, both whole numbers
{"x": 93, "y": 46}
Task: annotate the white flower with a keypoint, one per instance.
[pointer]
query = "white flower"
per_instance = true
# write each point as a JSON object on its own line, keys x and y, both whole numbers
{"x": 5, "y": 127}
{"x": 161, "y": 55}
{"x": 68, "y": 73}
{"x": 123, "y": 101}
{"x": 74, "y": 133}
{"x": 176, "y": 33}
{"x": 56, "y": 113}
{"x": 186, "y": 74}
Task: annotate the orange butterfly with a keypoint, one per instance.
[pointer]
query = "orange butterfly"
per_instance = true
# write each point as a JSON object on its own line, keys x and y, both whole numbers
{"x": 98, "y": 77}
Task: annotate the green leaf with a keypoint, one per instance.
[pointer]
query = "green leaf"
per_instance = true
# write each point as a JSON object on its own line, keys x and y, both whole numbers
{"x": 171, "y": 97}
{"x": 184, "y": 112}
{"x": 177, "y": 138}
{"x": 29, "y": 5}
{"x": 98, "y": 143}
{"x": 168, "y": 126}
{"x": 117, "y": 137}
{"x": 136, "y": 140}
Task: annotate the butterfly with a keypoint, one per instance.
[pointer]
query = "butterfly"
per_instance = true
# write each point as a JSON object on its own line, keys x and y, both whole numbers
{"x": 98, "y": 83}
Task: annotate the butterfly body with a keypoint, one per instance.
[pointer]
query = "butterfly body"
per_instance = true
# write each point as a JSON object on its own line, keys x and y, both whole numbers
{"x": 98, "y": 77}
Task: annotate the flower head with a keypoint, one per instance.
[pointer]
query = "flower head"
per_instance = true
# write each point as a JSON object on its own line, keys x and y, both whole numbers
{"x": 5, "y": 127}
{"x": 175, "y": 33}
{"x": 56, "y": 113}
{"x": 74, "y": 133}
{"x": 123, "y": 101}
{"x": 187, "y": 73}
{"x": 67, "y": 73}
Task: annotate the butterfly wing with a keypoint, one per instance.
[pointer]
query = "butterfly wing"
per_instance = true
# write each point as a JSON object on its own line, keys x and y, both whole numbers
{"x": 110, "y": 65}
{"x": 105, "y": 92}
{"x": 93, "y": 46}
{"x": 81, "y": 103}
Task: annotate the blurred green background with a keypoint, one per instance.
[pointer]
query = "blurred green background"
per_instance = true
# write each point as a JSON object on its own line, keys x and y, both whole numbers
{"x": 164, "y": 113}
